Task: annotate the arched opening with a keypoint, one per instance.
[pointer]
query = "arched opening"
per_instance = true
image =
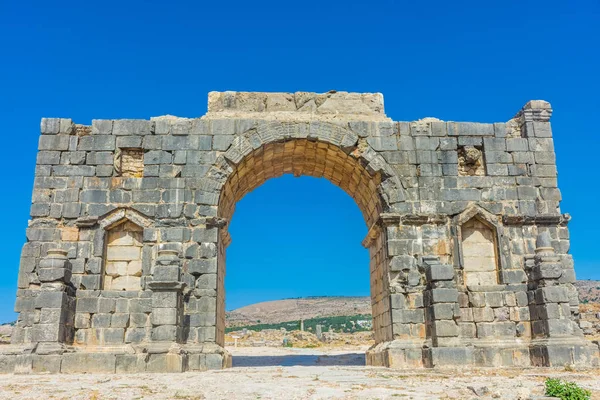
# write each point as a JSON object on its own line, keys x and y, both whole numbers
{"x": 303, "y": 157}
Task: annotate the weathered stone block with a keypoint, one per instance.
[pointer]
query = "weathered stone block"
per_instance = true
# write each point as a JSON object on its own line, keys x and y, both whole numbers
{"x": 166, "y": 363}
{"x": 102, "y": 127}
{"x": 106, "y": 305}
{"x": 485, "y": 314}
{"x": 445, "y": 328}
{"x": 136, "y": 335}
{"x": 440, "y": 272}
{"x": 202, "y": 266}
{"x": 7, "y": 363}
{"x": 495, "y": 329}
{"x": 48, "y": 299}
{"x": 164, "y": 333}
{"x": 207, "y": 281}
{"x": 119, "y": 320}
{"x": 46, "y": 364}
{"x": 494, "y": 299}
{"x": 447, "y": 356}
{"x": 164, "y": 316}
{"x": 126, "y": 127}
{"x": 54, "y": 332}
{"x": 513, "y": 276}
{"x": 130, "y": 363}
{"x": 552, "y": 294}
{"x": 443, "y": 311}
{"x": 88, "y": 363}
{"x": 398, "y": 301}
{"x": 206, "y": 304}
{"x": 165, "y": 300}
{"x": 477, "y": 299}
{"x": 203, "y": 319}
{"x": 214, "y": 361}
{"x": 87, "y": 305}
{"x": 54, "y": 142}
{"x": 101, "y": 320}
{"x": 205, "y": 235}
{"x": 97, "y": 143}
{"x": 105, "y": 336}
{"x": 138, "y": 320}
{"x": 141, "y": 305}
{"x": 82, "y": 320}
{"x": 50, "y": 126}
{"x": 443, "y": 295}
{"x": 54, "y": 274}
{"x": 166, "y": 273}
{"x": 408, "y": 316}
{"x": 402, "y": 262}
{"x": 519, "y": 314}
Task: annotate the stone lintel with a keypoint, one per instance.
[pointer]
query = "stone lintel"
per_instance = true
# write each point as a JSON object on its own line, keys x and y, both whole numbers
{"x": 394, "y": 219}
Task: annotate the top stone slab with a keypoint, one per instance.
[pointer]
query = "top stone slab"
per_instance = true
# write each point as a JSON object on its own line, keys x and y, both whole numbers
{"x": 299, "y": 105}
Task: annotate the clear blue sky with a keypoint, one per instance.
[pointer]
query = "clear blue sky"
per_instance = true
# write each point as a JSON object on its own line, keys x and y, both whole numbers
{"x": 470, "y": 61}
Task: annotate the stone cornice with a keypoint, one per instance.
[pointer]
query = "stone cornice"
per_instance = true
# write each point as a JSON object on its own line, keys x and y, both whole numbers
{"x": 395, "y": 219}
{"x": 543, "y": 220}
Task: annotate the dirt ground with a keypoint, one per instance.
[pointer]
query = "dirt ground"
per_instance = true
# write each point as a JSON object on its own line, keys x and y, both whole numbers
{"x": 284, "y": 373}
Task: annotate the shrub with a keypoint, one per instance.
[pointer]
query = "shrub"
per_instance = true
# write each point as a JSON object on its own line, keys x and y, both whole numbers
{"x": 566, "y": 390}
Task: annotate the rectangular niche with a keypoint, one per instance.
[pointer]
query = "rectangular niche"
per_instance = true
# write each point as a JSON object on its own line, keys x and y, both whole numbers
{"x": 123, "y": 257}
{"x": 470, "y": 161}
{"x": 130, "y": 162}
{"x": 480, "y": 258}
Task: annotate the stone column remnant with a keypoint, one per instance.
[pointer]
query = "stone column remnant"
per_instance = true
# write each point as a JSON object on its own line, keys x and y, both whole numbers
{"x": 167, "y": 313}
{"x": 554, "y": 332}
{"x": 166, "y": 287}
{"x": 55, "y": 301}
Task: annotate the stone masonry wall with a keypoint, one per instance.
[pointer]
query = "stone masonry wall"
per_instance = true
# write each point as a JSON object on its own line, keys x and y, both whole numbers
{"x": 166, "y": 189}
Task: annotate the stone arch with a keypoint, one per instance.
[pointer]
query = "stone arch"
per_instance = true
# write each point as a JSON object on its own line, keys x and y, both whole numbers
{"x": 271, "y": 149}
{"x": 315, "y": 148}
{"x": 478, "y": 235}
{"x": 122, "y": 234}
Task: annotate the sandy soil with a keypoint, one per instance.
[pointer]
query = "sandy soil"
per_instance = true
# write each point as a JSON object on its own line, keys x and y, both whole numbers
{"x": 267, "y": 373}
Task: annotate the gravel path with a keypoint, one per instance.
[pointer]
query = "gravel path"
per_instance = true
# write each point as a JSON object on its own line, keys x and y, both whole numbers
{"x": 319, "y": 375}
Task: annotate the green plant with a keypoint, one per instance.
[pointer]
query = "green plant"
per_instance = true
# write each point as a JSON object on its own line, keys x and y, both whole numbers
{"x": 566, "y": 390}
{"x": 335, "y": 323}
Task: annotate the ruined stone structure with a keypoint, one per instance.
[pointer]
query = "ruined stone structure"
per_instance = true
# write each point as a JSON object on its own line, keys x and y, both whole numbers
{"x": 124, "y": 265}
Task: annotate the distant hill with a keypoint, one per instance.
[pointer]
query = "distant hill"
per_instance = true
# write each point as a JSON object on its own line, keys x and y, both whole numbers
{"x": 277, "y": 311}
{"x": 589, "y": 291}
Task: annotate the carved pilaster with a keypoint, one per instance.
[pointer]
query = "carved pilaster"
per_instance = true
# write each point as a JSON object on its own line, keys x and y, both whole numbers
{"x": 167, "y": 301}
{"x": 557, "y": 339}
{"x": 56, "y": 300}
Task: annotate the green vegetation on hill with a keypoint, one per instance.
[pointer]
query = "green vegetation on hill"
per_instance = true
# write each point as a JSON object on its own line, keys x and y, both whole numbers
{"x": 349, "y": 323}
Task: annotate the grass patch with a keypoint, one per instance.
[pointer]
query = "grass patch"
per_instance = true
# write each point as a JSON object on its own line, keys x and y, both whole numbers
{"x": 566, "y": 390}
